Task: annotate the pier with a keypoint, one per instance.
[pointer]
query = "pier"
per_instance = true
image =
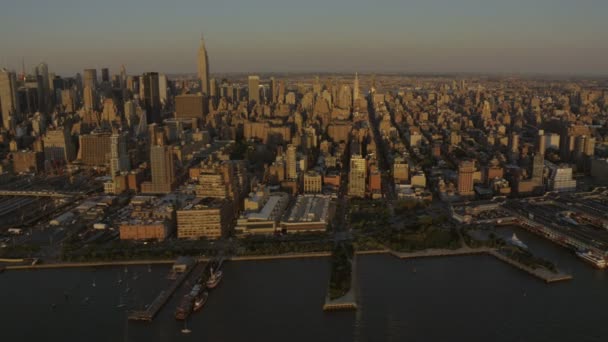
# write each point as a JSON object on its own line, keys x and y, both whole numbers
{"x": 428, "y": 253}
{"x": 163, "y": 297}
{"x": 543, "y": 274}
{"x": 348, "y": 301}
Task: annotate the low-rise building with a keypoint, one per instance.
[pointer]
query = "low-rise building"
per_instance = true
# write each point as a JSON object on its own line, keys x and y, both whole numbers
{"x": 205, "y": 217}
{"x": 309, "y": 212}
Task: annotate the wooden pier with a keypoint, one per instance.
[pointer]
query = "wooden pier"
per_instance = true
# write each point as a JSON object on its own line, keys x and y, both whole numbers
{"x": 163, "y": 297}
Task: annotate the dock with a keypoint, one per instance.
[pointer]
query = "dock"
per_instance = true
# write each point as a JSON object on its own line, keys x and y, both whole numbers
{"x": 348, "y": 302}
{"x": 163, "y": 297}
{"x": 543, "y": 274}
{"x": 428, "y": 253}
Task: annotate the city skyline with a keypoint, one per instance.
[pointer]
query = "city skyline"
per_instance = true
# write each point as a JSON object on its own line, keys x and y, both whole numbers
{"x": 269, "y": 36}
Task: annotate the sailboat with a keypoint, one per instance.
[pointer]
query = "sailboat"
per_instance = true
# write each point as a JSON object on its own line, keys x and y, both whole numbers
{"x": 149, "y": 268}
{"x": 94, "y": 283}
{"x": 121, "y": 304}
{"x": 185, "y": 330}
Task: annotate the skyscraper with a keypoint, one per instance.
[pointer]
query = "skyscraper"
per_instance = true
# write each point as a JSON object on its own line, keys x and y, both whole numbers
{"x": 357, "y": 176}
{"x": 151, "y": 96}
{"x": 254, "y": 89}
{"x": 163, "y": 173}
{"x": 203, "y": 67}
{"x": 538, "y": 168}
{"x": 90, "y": 78}
{"x": 466, "y": 169}
{"x": 292, "y": 172}
{"x": 356, "y": 88}
{"x": 105, "y": 75}
{"x": 8, "y": 98}
{"x": 119, "y": 160}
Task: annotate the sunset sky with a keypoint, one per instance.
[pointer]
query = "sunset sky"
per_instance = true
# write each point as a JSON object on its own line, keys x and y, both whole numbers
{"x": 515, "y": 36}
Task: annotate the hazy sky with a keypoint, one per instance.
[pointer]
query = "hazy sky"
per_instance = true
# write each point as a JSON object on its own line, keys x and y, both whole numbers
{"x": 520, "y": 36}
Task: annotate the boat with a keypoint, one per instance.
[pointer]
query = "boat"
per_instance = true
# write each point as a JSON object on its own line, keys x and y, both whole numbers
{"x": 185, "y": 330}
{"x": 214, "y": 279}
{"x": 184, "y": 309}
{"x": 515, "y": 241}
{"x": 200, "y": 301}
{"x": 592, "y": 258}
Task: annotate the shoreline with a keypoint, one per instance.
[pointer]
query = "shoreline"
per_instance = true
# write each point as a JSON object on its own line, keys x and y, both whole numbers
{"x": 429, "y": 253}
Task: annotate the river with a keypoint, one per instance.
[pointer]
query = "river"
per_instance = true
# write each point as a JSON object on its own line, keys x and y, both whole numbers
{"x": 467, "y": 298}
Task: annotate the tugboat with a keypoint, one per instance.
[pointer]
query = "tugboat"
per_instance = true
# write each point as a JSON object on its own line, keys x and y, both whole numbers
{"x": 593, "y": 259}
{"x": 214, "y": 279}
{"x": 515, "y": 241}
{"x": 200, "y": 301}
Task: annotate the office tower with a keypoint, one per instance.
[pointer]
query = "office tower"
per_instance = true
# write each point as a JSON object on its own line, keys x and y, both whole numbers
{"x": 514, "y": 142}
{"x": 203, "y": 67}
{"x": 105, "y": 75}
{"x": 213, "y": 87}
{"x": 466, "y": 170}
{"x": 94, "y": 148}
{"x": 90, "y": 98}
{"x": 357, "y": 176}
{"x": 162, "y": 88}
{"x": 110, "y": 112}
{"x": 541, "y": 144}
{"x": 538, "y": 168}
{"x": 151, "y": 96}
{"x": 274, "y": 90}
{"x": 162, "y": 169}
{"x": 119, "y": 159}
{"x": 401, "y": 171}
{"x": 9, "y": 106}
{"x": 58, "y": 146}
{"x": 254, "y": 89}
{"x": 281, "y": 97}
{"x": 190, "y": 106}
{"x": 42, "y": 70}
{"x": 123, "y": 76}
{"x": 205, "y": 217}
{"x": 292, "y": 171}
{"x": 316, "y": 86}
{"x": 356, "y": 88}
{"x": 90, "y": 79}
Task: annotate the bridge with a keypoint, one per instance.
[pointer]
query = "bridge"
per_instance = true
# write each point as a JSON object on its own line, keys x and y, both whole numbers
{"x": 42, "y": 193}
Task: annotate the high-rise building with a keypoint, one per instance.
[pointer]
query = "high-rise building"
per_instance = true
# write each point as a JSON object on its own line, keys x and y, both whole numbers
{"x": 162, "y": 169}
{"x": 466, "y": 171}
{"x": 205, "y": 217}
{"x": 58, "y": 146}
{"x": 119, "y": 158}
{"x": 292, "y": 172}
{"x": 357, "y": 176}
{"x": 105, "y": 75}
{"x": 8, "y": 98}
{"x": 203, "y": 67}
{"x": 254, "y": 89}
{"x": 538, "y": 168}
{"x": 162, "y": 88}
{"x": 213, "y": 88}
{"x": 94, "y": 148}
{"x": 151, "y": 96}
{"x": 190, "y": 106}
{"x": 356, "y": 88}
{"x": 90, "y": 78}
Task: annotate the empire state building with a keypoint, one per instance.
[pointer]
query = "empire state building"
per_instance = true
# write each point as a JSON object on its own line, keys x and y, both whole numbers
{"x": 203, "y": 67}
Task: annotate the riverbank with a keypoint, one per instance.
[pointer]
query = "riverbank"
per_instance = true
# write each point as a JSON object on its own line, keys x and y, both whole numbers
{"x": 544, "y": 275}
